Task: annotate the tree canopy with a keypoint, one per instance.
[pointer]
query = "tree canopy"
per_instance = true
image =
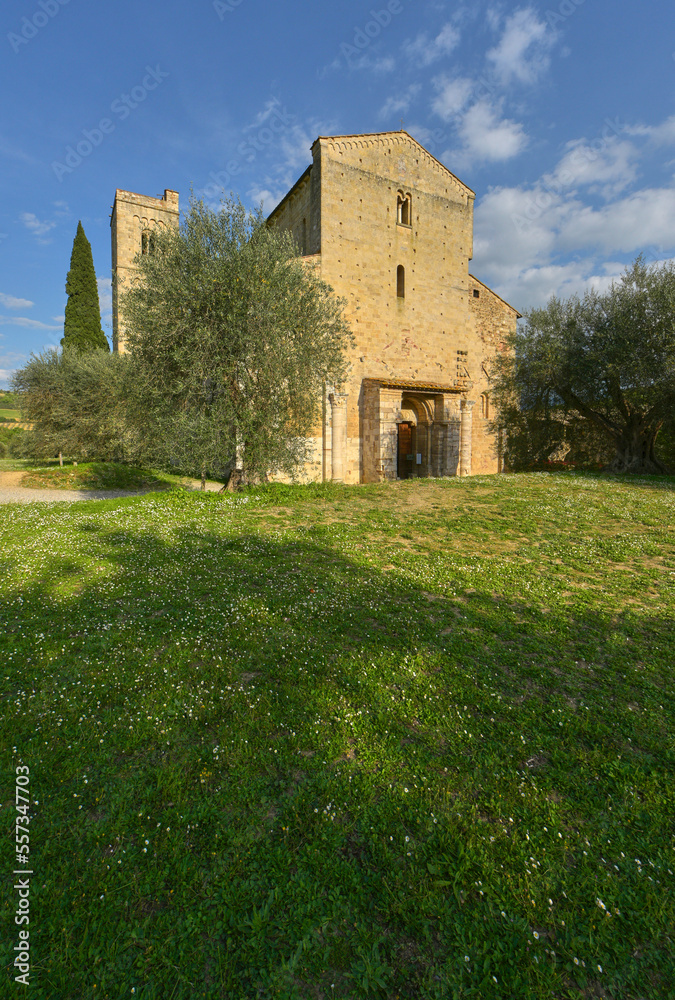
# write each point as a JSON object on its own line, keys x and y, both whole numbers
{"x": 82, "y": 327}
{"x": 606, "y": 358}
{"x": 232, "y": 341}
{"x": 75, "y": 401}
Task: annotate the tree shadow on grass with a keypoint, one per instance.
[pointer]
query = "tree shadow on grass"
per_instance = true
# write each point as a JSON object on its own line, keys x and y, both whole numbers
{"x": 140, "y": 679}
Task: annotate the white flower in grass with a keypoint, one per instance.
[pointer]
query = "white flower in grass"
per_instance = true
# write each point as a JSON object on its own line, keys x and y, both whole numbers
{"x": 466, "y": 958}
{"x": 535, "y": 935}
{"x": 599, "y": 968}
{"x": 576, "y": 961}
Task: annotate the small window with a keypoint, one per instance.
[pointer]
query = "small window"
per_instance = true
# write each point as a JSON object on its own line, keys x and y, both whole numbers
{"x": 404, "y": 209}
{"x": 476, "y": 293}
{"x": 147, "y": 242}
{"x": 485, "y": 406}
{"x": 400, "y": 281}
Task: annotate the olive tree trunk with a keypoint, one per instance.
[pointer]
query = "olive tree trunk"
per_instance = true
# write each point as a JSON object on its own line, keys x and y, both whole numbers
{"x": 635, "y": 452}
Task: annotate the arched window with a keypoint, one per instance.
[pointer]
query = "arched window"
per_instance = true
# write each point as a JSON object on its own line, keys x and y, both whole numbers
{"x": 404, "y": 209}
{"x": 485, "y": 406}
{"x": 400, "y": 281}
{"x": 147, "y": 241}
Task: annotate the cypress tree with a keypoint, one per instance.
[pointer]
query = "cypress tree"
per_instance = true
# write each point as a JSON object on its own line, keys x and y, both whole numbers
{"x": 82, "y": 328}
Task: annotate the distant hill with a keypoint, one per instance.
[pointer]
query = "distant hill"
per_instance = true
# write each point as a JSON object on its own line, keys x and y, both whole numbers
{"x": 8, "y": 400}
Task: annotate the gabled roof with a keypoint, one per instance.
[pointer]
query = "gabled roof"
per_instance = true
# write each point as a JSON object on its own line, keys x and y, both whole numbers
{"x": 490, "y": 290}
{"x": 365, "y": 137}
{"x": 393, "y": 136}
{"x": 292, "y": 191}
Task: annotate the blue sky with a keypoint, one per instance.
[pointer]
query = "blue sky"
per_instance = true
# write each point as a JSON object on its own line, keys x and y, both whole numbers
{"x": 559, "y": 115}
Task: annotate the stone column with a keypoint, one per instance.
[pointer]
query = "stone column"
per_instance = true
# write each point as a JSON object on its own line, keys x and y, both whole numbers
{"x": 452, "y": 440}
{"x": 465, "y": 437}
{"x": 338, "y": 402}
{"x": 438, "y": 461}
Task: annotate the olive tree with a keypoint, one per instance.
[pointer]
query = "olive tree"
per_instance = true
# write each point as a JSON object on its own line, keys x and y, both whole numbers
{"x": 74, "y": 400}
{"x": 232, "y": 339}
{"x": 606, "y": 358}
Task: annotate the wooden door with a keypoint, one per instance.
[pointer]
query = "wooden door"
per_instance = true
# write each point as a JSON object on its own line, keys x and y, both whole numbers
{"x": 404, "y": 465}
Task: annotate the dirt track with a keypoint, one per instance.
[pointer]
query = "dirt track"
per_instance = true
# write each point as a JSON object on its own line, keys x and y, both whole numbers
{"x": 12, "y": 492}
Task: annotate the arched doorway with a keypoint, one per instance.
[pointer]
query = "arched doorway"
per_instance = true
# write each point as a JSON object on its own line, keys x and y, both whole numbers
{"x": 414, "y": 439}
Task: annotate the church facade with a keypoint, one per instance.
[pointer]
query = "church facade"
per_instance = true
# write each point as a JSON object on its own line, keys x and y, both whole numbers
{"x": 390, "y": 228}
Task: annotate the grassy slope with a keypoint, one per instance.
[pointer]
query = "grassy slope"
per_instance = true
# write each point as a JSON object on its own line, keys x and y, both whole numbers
{"x": 395, "y": 741}
{"x": 97, "y": 476}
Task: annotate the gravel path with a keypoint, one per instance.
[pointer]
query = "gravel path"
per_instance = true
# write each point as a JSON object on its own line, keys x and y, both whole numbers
{"x": 11, "y": 492}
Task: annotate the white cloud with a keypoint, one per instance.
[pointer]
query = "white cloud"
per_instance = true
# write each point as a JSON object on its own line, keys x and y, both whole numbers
{"x": 513, "y": 232}
{"x": 485, "y": 137}
{"x": 607, "y": 165}
{"x": 493, "y": 18}
{"x": 355, "y": 58}
{"x": 269, "y": 199}
{"x": 294, "y": 151}
{"x": 490, "y": 138}
{"x": 272, "y": 106}
{"x": 374, "y": 63}
{"x": 32, "y": 324}
{"x": 639, "y": 220}
{"x": 525, "y": 237}
{"x": 534, "y": 286}
{"x": 41, "y": 229}
{"x": 400, "y": 104}
{"x": 557, "y": 237}
{"x": 522, "y": 52}
{"x": 37, "y": 228}
{"x": 424, "y": 51}
{"x": 453, "y": 96}
{"x": 10, "y": 302}
{"x": 9, "y": 362}
{"x": 660, "y": 135}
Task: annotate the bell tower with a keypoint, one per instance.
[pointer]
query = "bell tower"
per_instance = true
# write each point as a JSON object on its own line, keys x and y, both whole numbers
{"x": 133, "y": 222}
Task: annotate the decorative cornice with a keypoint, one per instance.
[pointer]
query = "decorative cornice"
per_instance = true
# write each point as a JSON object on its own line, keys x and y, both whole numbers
{"x": 409, "y": 385}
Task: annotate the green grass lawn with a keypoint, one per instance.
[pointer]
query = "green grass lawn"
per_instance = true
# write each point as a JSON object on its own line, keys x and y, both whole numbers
{"x": 9, "y": 414}
{"x": 97, "y": 476}
{"x": 402, "y": 741}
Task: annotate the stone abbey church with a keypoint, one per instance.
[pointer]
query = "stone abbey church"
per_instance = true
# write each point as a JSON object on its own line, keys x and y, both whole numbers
{"x": 391, "y": 230}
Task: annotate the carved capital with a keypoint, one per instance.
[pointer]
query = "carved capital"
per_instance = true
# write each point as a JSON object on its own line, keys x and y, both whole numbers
{"x": 338, "y": 399}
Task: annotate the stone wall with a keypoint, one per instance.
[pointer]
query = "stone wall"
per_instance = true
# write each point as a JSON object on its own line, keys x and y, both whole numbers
{"x": 435, "y": 332}
{"x": 494, "y": 320}
{"x": 296, "y": 214}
